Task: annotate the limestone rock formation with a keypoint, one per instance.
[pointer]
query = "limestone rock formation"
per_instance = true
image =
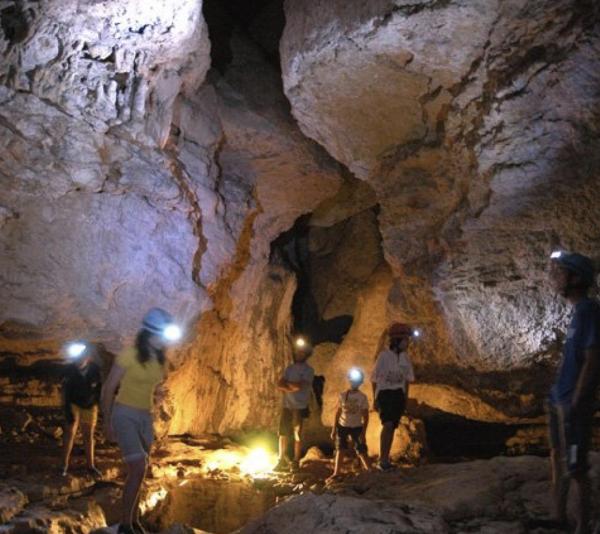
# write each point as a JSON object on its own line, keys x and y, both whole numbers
{"x": 267, "y": 175}
{"x": 88, "y": 200}
{"x": 478, "y": 133}
{"x": 332, "y": 515}
{"x": 128, "y": 183}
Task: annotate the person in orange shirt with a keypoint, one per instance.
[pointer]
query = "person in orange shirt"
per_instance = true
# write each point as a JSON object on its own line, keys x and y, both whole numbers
{"x": 136, "y": 372}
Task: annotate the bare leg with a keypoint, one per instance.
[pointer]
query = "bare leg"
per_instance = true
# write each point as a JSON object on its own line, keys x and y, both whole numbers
{"x": 88, "y": 441}
{"x": 297, "y": 450}
{"x": 336, "y": 464}
{"x": 283, "y": 443}
{"x": 560, "y": 486}
{"x": 385, "y": 442}
{"x": 136, "y": 471}
{"x": 68, "y": 439}
{"x": 364, "y": 460}
{"x": 581, "y": 485}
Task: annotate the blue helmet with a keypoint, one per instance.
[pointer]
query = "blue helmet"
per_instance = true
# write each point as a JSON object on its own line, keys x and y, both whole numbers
{"x": 578, "y": 264}
{"x": 156, "y": 320}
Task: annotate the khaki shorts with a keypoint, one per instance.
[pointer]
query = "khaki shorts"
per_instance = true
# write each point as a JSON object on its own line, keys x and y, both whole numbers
{"x": 133, "y": 430}
{"x": 86, "y": 416}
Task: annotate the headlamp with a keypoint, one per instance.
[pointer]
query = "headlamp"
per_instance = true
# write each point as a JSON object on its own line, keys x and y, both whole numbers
{"x": 172, "y": 332}
{"x": 76, "y": 349}
{"x": 300, "y": 342}
{"x": 556, "y": 254}
{"x": 416, "y": 333}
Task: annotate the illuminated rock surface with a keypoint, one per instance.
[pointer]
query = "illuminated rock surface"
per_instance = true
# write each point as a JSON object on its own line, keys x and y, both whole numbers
{"x": 478, "y": 134}
{"x": 409, "y": 160}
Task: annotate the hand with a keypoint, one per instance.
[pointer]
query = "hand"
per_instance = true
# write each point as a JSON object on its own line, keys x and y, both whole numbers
{"x": 333, "y": 435}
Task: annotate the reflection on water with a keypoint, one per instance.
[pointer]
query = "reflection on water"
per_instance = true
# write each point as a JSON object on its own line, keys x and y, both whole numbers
{"x": 216, "y": 506}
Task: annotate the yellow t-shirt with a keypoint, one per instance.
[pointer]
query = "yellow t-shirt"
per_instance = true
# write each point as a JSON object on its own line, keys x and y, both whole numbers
{"x": 138, "y": 382}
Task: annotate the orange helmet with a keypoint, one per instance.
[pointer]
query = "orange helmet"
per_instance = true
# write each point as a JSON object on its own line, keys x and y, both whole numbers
{"x": 399, "y": 330}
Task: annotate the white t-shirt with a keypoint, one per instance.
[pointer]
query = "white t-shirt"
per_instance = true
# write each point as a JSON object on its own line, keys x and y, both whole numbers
{"x": 353, "y": 403}
{"x": 392, "y": 371}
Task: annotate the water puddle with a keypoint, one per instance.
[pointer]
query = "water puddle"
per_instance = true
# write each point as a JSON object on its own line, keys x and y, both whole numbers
{"x": 213, "y": 505}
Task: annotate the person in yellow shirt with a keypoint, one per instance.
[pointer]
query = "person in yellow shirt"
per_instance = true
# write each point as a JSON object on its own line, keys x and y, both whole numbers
{"x": 127, "y": 416}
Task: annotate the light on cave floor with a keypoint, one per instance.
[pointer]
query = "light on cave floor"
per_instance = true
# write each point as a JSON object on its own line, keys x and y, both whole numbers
{"x": 153, "y": 499}
{"x": 256, "y": 462}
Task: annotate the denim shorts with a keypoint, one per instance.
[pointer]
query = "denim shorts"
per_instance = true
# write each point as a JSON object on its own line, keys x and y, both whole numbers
{"x": 133, "y": 430}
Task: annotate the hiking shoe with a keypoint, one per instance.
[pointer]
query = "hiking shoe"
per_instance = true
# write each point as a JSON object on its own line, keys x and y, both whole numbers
{"x": 295, "y": 466}
{"x": 384, "y": 466}
{"x": 94, "y": 472}
{"x": 282, "y": 466}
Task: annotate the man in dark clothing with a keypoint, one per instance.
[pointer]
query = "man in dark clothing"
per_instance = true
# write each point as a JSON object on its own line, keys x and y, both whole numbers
{"x": 82, "y": 385}
{"x": 571, "y": 399}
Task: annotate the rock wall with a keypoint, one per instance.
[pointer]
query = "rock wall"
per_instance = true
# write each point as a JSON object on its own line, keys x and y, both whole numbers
{"x": 88, "y": 200}
{"x": 478, "y": 133}
{"x": 129, "y": 182}
{"x": 437, "y": 151}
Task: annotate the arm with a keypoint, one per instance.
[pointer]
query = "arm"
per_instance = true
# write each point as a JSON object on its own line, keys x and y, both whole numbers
{"x": 336, "y": 420}
{"x": 108, "y": 394}
{"x": 365, "y": 422}
{"x": 587, "y": 377}
{"x": 288, "y": 387}
{"x": 410, "y": 377}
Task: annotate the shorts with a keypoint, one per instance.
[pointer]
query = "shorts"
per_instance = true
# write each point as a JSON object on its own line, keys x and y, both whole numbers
{"x": 570, "y": 434}
{"x": 342, "y": 433}
{"x": 86, "y": 416}
{"x": 291, "y": 421}
{"x": 391, "y": 404}
{"x": 133, "y": 430}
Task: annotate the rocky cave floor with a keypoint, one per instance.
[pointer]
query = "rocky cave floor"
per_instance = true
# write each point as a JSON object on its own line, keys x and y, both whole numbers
{"x": 190, "y": 483}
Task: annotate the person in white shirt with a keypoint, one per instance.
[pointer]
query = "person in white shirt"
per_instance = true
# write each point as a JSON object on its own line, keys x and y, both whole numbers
{"x": 351, "y": 420}
{"x": 296, "y": 385}
{"x": 391, "y": 378}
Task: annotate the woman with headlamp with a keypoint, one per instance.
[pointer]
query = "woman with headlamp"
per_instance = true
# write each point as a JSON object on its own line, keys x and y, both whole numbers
{"x": 391, "y": 378}
{"x": 128, "y": 420}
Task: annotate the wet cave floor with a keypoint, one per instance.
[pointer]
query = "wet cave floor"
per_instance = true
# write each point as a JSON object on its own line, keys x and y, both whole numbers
{"x": 201, "y": 482}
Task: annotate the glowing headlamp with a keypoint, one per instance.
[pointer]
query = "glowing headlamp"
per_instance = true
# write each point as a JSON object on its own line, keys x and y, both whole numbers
{"x": 416, "y": 333}
{"x": 355, "y": 375}
{"x": 172, "y": 332}
{"x": 300, "y": 342}
{"x": 76, "y": 349}
{"x": 556, "y": 254}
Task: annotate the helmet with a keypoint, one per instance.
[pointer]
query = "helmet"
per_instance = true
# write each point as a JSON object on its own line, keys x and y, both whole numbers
{"x": 399, "y": 330}
{"x": 156, "y": 320}
{"x": 356, "y": 376}
{"x": 576, "y": 263}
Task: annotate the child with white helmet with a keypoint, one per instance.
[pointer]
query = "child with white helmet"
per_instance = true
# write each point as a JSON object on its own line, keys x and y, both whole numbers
{"x": 351, "y": 420}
